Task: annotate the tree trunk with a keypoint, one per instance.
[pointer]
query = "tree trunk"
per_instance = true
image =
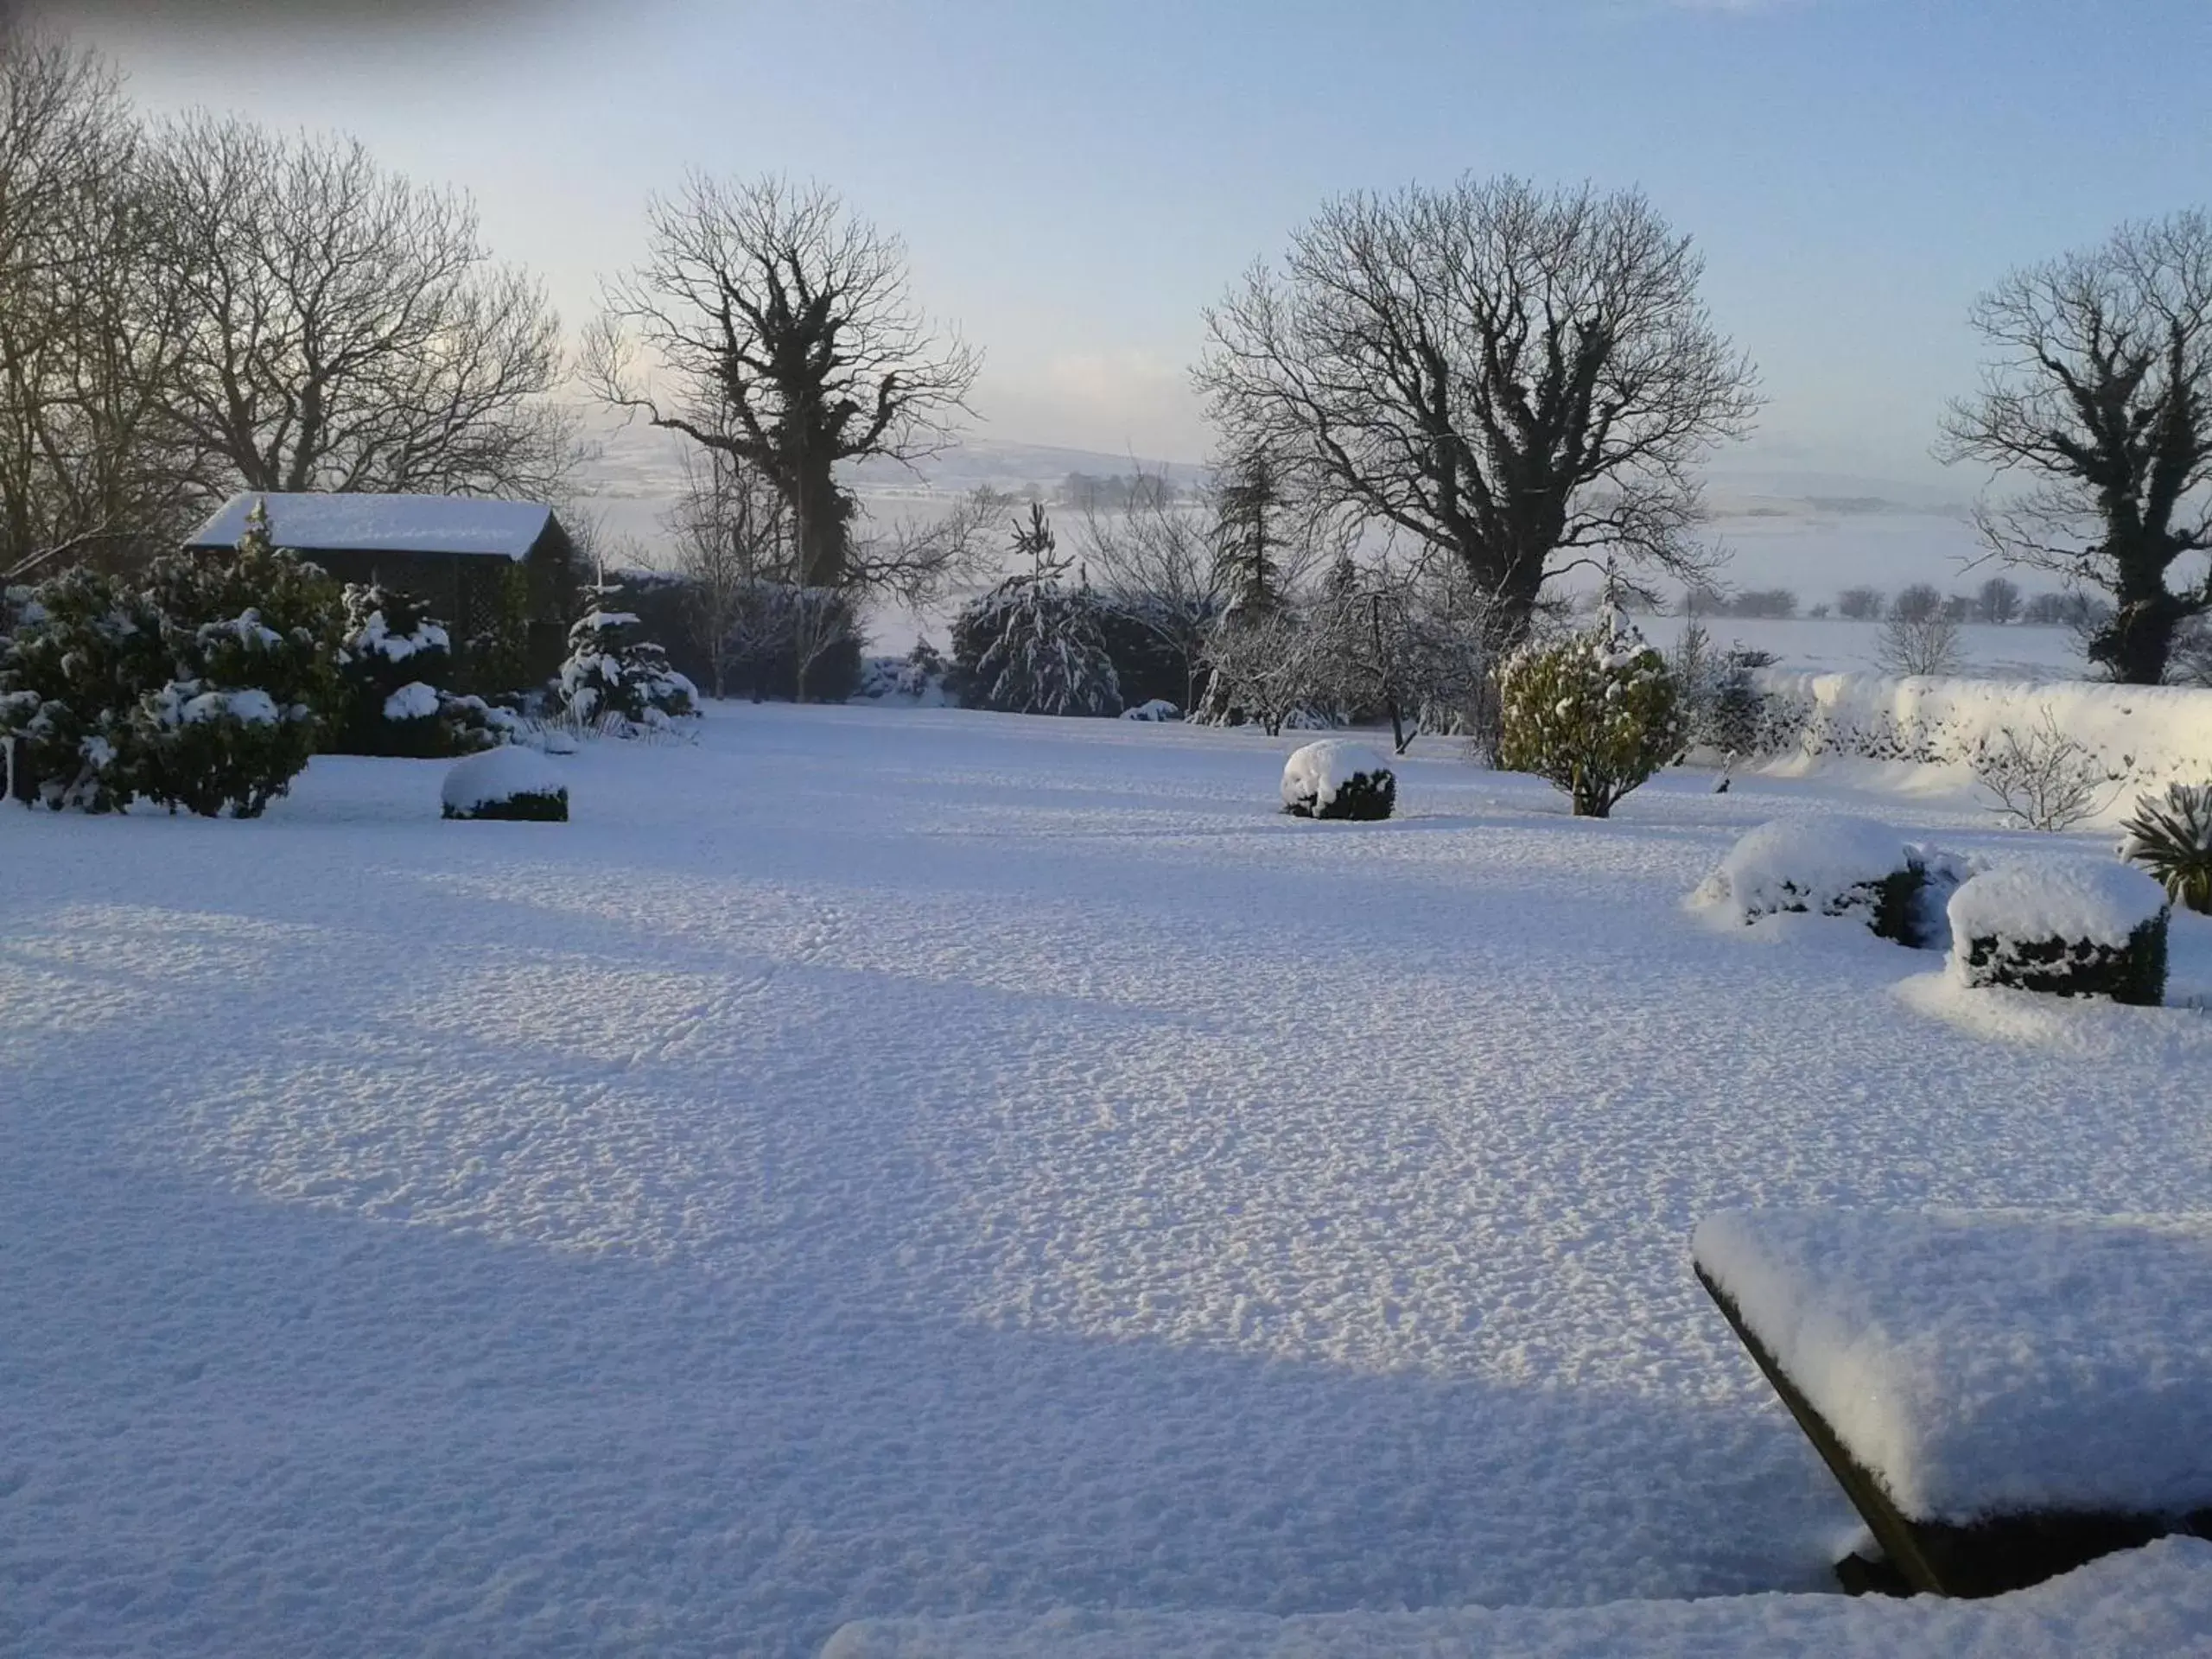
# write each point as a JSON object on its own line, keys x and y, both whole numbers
{"x": 2138, "y": 640}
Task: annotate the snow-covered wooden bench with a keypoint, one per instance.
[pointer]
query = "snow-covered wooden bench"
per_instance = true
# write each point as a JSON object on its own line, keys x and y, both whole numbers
{"x": 2004, "y": 1396}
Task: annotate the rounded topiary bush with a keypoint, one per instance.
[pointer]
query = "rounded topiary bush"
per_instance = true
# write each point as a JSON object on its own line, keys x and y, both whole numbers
{"x": 513, "y": 783}
{"x": 1837, "y": 865}
{"x": 1595, "y": 714}
{"x": 1337, "y": 779}
{"x": 2171, "y": 836}
{"x": 2076, "y": 927}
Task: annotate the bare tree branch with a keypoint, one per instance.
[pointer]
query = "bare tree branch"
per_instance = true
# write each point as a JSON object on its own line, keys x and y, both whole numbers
{"x": 1496, "y": 373}
{"x": 780, "y": 326}
{"x": 2100, "y": 394}
{"x": 345, "y": 328}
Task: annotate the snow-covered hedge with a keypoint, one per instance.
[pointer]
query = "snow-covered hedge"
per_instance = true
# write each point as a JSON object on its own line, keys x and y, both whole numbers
{"x": 1338, "y": 778}
{"x": 2141, "y": 735}
{"x": 2072, "y": 927}
{"x": 1992, "y": 1363}
{"x": 1837, "y": 866}
{"x": 515, "y": 782}
{"x": 1158, "y": 708}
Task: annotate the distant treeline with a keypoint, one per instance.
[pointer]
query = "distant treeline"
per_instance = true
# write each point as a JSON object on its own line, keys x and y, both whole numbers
{"x": 1997, "y": 601}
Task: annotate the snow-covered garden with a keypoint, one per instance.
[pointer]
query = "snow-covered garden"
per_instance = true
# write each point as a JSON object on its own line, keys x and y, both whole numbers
{"x": 880, "y": 1164}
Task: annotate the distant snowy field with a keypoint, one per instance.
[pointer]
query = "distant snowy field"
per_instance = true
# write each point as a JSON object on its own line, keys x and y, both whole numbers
{"x": 912, "y": 1163}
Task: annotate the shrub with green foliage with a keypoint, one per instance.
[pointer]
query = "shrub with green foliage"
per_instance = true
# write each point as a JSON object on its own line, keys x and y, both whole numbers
{"x": 1595, "y": 714}
{"x": 2134, "y": 973}
{"x": 2171, "y": 836}
{"x": 81, "y": 651}
{"x": 394, "y": 668}
{"x": 203, "y": 686}
{"x": 613, "y": 674}
{"x": 1031, "y": 646}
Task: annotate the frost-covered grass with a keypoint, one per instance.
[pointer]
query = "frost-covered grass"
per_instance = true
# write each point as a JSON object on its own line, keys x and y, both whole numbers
{"x": 883, "y": 1162}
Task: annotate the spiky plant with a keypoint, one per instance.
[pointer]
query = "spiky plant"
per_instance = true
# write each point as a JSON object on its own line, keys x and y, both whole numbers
{"x": 2171, "y": 836}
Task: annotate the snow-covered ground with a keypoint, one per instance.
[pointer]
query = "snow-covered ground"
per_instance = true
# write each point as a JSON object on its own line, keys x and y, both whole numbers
{"x": 892, "y": 1163}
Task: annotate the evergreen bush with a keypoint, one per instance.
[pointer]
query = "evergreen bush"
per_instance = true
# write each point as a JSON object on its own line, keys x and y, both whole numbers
{"x": 612, "y": 674}
{"x": 1595, "y": 714}
{"x": 82, "y": 651}
{"x": 2071, "y": 927}
{"x": 1032, "y": 646}
{"x": 1338, "y": 778}
{"x": 203, "y": 686}
{"x": 514, "y": 783}
{"x": 394, "y": 668}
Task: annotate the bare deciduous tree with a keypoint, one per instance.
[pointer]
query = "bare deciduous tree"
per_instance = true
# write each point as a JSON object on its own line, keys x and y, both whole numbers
{"x": 2102, "y": 395}
{"x": 2044, "y": 781}
{"x": 1920, "y": 642}
{"x": 1860, "y": 604}
{"x": 779, "y": 324}
{"x": 1521, "y": 380}
{"x": 1997, "y": 601}
{"x": 89, "y": 463}
{"x": 1156, "y": 564}
{"x": 346, "y": 329}
{"x": 731, "y": 537}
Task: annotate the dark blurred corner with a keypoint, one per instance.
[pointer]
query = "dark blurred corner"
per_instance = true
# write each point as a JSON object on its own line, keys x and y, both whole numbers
{"x": 213, "y": 19}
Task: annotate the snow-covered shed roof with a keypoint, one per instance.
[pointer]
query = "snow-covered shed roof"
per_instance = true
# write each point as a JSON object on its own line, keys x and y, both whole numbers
{"x": 385, "y": 523}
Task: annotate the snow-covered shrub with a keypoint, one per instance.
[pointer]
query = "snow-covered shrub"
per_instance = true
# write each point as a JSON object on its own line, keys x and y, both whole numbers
{"x": 1158, "y": 709}
{"x": 1595, "y": 714}
{"x": 1264, "y": 669}
{"x": 2072, "y": 927}
{"x": 2171, "y": 836}
{"x": 1837, "y": 866}
{"x": 1032, "y": 646}
{"x": 81, "y": 651}
{"x": 206, "y": 749}
{"x": 612, "y": 671}
{"x": 2044, "y": 781}
{"x": 205, "y": 685}
{"x": 253, "y": 637}
{"x": 1720, "y": 699}
{"x": 1336, "y": 779}
{"x": 514, "y": 782}
{"x": 394, "y": 667}
{"x": 918, "y": 678}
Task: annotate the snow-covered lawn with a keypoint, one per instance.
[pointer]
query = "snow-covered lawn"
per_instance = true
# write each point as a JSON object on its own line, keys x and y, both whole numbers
{"x": 886, "y": 1162}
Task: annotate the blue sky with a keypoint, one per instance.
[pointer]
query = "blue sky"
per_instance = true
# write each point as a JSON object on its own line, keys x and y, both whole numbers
{"x": 1074, "y": 182}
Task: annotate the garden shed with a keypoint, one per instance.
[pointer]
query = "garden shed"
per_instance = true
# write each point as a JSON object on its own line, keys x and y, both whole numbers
{"x": 500, "y": 574}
